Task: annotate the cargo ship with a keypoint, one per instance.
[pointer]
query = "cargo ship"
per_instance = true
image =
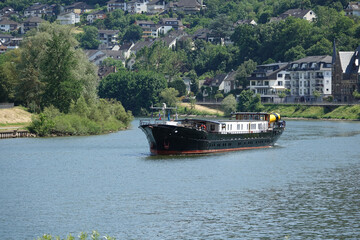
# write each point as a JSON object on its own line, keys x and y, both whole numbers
{"x": 245, "y": 130}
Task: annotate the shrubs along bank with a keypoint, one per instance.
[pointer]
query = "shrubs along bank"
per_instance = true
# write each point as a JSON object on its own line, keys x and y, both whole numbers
{"x": 348, "y": 112}
{"x": 83, "y": 119}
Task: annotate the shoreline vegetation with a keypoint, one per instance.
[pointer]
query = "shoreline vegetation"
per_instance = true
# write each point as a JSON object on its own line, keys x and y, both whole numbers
{"x": 298, "y": 111}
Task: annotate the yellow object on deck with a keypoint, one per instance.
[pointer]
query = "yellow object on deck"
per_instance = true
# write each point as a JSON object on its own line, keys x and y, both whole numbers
{"x": 274, "y": 117}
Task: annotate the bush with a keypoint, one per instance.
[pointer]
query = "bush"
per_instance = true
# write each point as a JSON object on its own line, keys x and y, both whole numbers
{"x": 83, "y": 119}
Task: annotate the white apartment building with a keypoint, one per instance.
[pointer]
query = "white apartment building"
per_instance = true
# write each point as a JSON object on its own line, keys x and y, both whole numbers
{"x": 269, "y": 80}
{"x": 308, "y": 75}
{"x": 68, "y": 18}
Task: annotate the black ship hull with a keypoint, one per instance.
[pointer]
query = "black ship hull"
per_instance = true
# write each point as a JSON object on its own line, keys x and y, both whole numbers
{"x": 167, "y": 140}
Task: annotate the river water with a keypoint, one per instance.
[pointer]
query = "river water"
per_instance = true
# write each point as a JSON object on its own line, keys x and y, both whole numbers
{"x": 306, "y": 187}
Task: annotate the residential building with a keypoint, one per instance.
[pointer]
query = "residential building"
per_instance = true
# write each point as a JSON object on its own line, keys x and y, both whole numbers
{"x": 308, "y": 75}
{"x": 306, "y": 14}
{"x": 6, "y": 12}
{"x": 187, "y": 6}
{"x": 269, "y": 80}
{"x": 30, "y": 23}
{"x": 247, "y": 22}
{"x": 3, "y": 48}
{"x": 172, "y": 22}
{"x": 91, "y": 17}
{"x": 352, "y": 9}
{"x": 68, "y": 18}
{"x": 5, "y": 38}
{"x": 39, "y": 10}
{"x": 108, "y": 37}
{"x": 346, "y": 75}
{"x": 126, "y": 49}
{"x": 78, "y": 8}
{"x": 224, "y": 82}
{"x": 7, "y": 25}
{"x": 156, "y": 6}
{"x": 116, "y": 4}
{"x": 14, "y": 43}
{"x": 103, "y": 71}
{"x": 137, "y": 6}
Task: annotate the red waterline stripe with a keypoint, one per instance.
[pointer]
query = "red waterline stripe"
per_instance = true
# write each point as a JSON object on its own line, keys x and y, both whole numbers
{"x": 164, "y": 152}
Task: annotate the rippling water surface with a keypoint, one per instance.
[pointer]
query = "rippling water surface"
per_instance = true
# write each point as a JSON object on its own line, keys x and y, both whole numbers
{"x": 307, "y": 186}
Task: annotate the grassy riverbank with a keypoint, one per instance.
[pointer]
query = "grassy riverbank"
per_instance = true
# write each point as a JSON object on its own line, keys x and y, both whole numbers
{"x": 348, "y": 112}
{"x": 14, "y": 118}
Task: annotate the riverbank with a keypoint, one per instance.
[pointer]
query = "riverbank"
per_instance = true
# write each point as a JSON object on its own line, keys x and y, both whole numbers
{"x": 297, "y": 111}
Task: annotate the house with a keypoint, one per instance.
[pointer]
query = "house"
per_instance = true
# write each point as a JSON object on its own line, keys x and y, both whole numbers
{"x": 308, "y": 75}
{"x": 306, "y": 14}
{"x": 346, "y": 74}
{"x": 103, "y": 71}
{"x": 187, "y": 6}
{"x": 39, "y": 10}
{"x": 150, "y": 29}
{"x": 5, "y": 38}
{"x": 6, "y": 12}
{"x": 168, "y": 41}
{"x": 78, "y": 8}
{"x": 14, "y": 43}
{"x": 3, "y": 48}
{"x": 140, "y": 45}
{"x": 7, "y": 25}
{"x": 68, "y": 18}
{"x": 108, "y": 37}
{"x": 172, "y": 22}
{"x": 116, "y": 4}
{"x": 126, "y": 49}
{"x": 137, "y": 6}
{"x": 30, "y": 23}
{"x": 247, "y": 22}
{"x": 91, "y": 17}
{"x": 352, "y": 9}
{"x": 201, "y": 34}
{"x": 156, "y": 6}
{"x": 269, "y": 80}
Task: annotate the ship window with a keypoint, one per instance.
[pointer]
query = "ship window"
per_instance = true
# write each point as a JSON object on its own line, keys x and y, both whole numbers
{"x": 253, "y": 126}
{"x": 212, "y": 127}
{"x": 238, "y": 127}
{"x": 230, "y": 126}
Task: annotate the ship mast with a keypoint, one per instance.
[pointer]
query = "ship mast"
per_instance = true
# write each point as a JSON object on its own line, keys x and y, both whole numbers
{"x": 164, "y": 108}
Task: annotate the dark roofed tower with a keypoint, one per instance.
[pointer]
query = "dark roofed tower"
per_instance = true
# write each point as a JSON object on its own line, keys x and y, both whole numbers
{"x": 345, "y": 77}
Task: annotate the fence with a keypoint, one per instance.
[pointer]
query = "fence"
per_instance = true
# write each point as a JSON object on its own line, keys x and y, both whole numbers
{"x": 6, "y": 105}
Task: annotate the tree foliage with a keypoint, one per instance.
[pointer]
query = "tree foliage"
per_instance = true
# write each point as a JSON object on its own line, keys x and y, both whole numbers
{"x": 248, "y": 102}
{"x": 89, "y": 38}
{"x": 229, "y": 104}
{"x": 135, "y": 90}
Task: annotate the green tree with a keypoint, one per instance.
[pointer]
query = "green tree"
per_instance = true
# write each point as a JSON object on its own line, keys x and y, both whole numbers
{"x": 169, "y": 96}
{"x": 178, "y": 85}
{"x": 248, "y": 102}
{"x": 243, "y": 72}
{"x": 229, "y": 104}
{"x": 218, "y": 95}
{"x": 135, "y": 90}
{"x": 133, "y": 33}
{"x": 60, "y": 85}
{"x": 89, "y": 38}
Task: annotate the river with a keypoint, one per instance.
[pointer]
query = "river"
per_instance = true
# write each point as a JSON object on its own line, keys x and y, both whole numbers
{"x": 306, "y": 187}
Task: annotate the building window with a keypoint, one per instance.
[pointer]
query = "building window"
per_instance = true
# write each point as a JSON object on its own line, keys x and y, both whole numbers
{"x": 280, "y": 83}
{"x": 266, "y": 83}
{"x": 253, "y": 83}
{"x": 279, "y": 75}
